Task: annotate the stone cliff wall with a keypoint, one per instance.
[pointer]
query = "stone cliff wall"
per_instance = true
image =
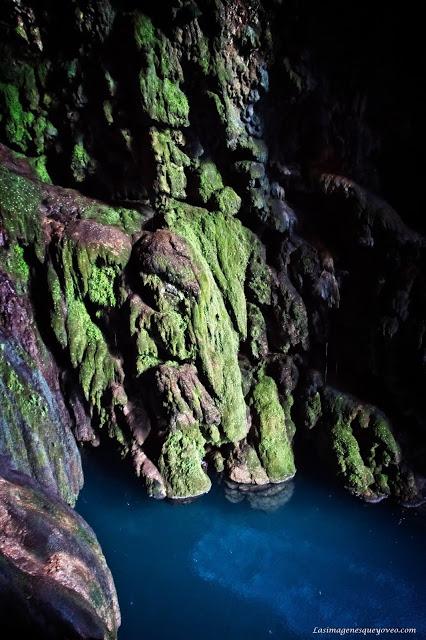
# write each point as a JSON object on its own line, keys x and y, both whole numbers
{"x": 214, "y": 277}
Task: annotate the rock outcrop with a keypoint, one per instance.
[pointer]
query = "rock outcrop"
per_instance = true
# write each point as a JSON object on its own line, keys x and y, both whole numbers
{"x": 210, "y": 255}
{"x": 54, "y": 582}
{"x": 215, "y": 280}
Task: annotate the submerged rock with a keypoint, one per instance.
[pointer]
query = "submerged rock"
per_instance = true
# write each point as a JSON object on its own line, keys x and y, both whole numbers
{"x": 267, "y": 498}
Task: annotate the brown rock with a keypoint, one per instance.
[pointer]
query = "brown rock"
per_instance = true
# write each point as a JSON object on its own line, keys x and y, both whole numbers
{"x": 53, "y": 576}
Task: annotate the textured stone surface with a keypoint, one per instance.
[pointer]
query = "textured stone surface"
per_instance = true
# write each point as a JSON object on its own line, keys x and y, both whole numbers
{"x": 54, "y": 581}
{"x": 233, "y": 277}
{"x": 35, "y": 427}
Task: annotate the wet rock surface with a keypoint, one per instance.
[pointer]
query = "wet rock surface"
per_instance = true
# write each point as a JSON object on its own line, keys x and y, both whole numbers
{"x": 54, "y": 581}
{"x": 230, "y": 235}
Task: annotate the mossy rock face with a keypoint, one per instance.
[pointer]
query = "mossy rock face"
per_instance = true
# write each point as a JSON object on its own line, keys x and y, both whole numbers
{"x": 32, "y": 435}
{"x": 35, "y": 431}
{"x": 161, "y": 95}
{"x": 180, "y": 464}
{"x": 220, "y": 250}
{"x": 244, "y": 466}
{"x": 210, "y": 180}
{"x": 257, "y": 332}
{"x": 274, "y": 430}
{"x": 363, "y": 446}
{"x": 20, "y": 199}
{"x": 171, "y": 162}
{"x": 228, "y": 201}
{"x": 195, "y": 263}
{"x": 85, "y": 274}
{"x": 183, "y": 400}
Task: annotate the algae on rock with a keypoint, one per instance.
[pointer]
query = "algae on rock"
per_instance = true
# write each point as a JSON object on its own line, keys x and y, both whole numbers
{"x": 180, "y": 464}
{"x": 274, "y": 430}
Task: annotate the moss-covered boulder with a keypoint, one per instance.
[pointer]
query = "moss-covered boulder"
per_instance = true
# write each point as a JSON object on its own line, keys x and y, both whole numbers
{"x": 274, "y": 430}
{"x": 360, "y": 443}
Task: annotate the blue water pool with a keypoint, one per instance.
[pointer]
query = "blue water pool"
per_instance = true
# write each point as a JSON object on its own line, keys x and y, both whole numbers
{"x": 216, "y": 570}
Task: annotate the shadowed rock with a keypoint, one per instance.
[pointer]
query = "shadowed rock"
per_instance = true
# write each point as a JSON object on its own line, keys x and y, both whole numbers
{"x": 54, "y": 581}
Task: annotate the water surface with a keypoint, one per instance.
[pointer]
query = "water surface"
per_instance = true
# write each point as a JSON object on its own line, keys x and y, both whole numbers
{"x": 215, "y": 570}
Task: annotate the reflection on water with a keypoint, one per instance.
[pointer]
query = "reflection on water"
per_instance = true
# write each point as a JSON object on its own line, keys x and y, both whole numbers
{"x": 267, "y": 567}
{"x": 269, "y": 498}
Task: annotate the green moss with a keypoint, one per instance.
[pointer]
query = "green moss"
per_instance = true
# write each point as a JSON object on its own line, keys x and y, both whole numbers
{"x": 144, "y": 31}
{"x": 43, "y": 71}
{"x": 228, "y": 201}
{"x": 176, "y": 102}
{"x": 88, "y": 352}
{"x": 225, "y": 103}
{"x": 210, "y": 180}
{"x": 26, "y": 78}
{"x": 39, "y": 166}
{"x": 382, "y": 483}
{"x": 226, "y": 246}
{"x": 171, "y": 163}
{"x": 367, "y": 453}
{"x": 41, "y": 124}
{"x": 253, "y": 170}
{"x": 274, "y": 446}
{"x": 128, "y": 220}
{"x": 217, "y": 105}
{"x": 293, "y": 317}
{"x": 25, "y": 124}
{"x": 259, "y": 281}
{"x": 17, "y": 121}
{"x": 80, "y": 162}
{"x": 385, "y": 439}
{"x": 20, "y": 199}
{"x": 203, "y": 55}
{"x": 101, "y": 286}
{"x": 16, "y": 264}
{"x": 29, "y": 431}
{"x": 166, "y": 329}
{"x": 254, "y": 147}
{"x": 140, "y": 329}
{"x": 162, "y": 98}
{"x": 57, "y": 306}
{"x": 218, "y": 462}
{"x": 180, "y": 464}
{"x": 19, "y": 402}
{"x": 256, "y": 332}
{"x": 84, "y": 273}
{"x": 313, "y": 410}
{"x": 172, "y": 329}
{"x": 220, "y": 248}
{"x": 252, "y": 461}
{"x": 349, "y": 460}
{"x": 339, "y": 413}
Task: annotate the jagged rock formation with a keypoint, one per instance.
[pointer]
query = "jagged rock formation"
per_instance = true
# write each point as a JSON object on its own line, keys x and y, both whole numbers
{"x": 225, "y": 288}
{"x": 54, "y": 582}
{"x": 198, "y": 262}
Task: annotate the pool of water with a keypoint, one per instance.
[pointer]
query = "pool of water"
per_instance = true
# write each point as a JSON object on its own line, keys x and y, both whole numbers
{"x": 260, "y": 568}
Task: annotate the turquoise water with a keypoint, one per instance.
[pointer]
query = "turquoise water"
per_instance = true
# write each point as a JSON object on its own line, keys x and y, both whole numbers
{"x": 216, "y": 570}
